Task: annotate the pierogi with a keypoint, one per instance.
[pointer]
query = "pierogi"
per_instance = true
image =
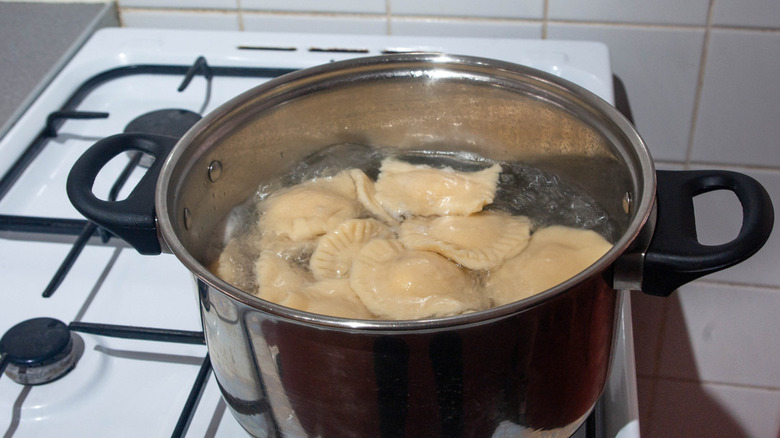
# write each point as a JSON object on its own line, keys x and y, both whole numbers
{"x": 399, "y": 283}
{"x": 336, "y": 250}
{"x": 553, "y": 255}
{"x": 310, "y": 209}
{"x": 477, "y": 241}
{"x": 414, "y": 243}
{"x": 405, "y": 190}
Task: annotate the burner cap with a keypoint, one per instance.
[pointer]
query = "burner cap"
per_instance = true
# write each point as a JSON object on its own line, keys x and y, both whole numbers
{"x": 169, "y": 122}
{"x": 39, "y": 350}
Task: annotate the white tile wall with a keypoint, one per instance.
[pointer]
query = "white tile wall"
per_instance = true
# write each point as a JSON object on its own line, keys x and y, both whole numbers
{"x": 183, "y": 4}
{"x": 438, "y": 26}
{"x": 660, "y": 69}
{"x": 184, "y": 19}
{"x": 349, "y": 6}
{"x": 701, "y": 79}
{"x": 469, "y": 8}
{"x": 738, "y": 117}
{"x": 631, "y": 11}
{"x": 754, "y": 13}
{"x": 344, "y": 24}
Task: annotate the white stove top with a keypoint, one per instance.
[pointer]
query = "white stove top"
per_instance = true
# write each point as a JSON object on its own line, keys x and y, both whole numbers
{"x": 133, "y": 388}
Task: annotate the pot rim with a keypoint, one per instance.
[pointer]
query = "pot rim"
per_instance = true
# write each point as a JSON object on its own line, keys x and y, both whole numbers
{"x": 643, "y": 206}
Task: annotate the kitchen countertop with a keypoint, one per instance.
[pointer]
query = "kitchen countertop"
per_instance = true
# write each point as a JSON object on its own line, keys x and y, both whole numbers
{"x": 36, "y": 39}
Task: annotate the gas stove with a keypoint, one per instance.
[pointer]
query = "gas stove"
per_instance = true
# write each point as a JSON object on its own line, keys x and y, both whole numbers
{"x": 123, "y": 351}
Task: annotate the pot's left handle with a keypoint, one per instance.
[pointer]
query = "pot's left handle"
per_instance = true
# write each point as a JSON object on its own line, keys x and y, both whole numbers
{"x": 133, "y": 219}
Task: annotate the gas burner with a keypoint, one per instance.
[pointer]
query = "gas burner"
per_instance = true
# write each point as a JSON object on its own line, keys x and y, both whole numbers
{"x": 169, "y": 122}
{"x": 38, "y": 351}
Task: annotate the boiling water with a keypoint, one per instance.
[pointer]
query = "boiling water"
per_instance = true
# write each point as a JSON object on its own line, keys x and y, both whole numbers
{"x": 522, "y": 190}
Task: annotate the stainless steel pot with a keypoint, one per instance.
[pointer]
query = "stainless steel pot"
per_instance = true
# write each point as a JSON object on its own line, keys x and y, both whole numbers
{"x": 536, "y": 366}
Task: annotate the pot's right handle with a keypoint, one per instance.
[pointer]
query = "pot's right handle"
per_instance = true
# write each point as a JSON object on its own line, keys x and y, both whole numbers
{"x": 133, "y": 219}
{"x": 675, "y": 255}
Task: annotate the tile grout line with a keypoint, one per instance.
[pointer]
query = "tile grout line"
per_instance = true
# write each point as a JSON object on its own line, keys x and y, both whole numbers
{"x": 709, "y": 382}
{"x": 119, "y": 16}
{"x": 240, "y": 11}
{"x": 767, "y": 287}
{"x": 387, "y": 14}
{"x": 699, "y": 84}
{"x": 388, "y": 18}
{"x": 545, "y": 18}
{"x": 745, "y": 167}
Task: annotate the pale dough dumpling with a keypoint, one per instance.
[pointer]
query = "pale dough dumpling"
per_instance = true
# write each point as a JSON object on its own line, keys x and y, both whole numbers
{"x": 553, "y": 255}
{"x": 332, "y": 258}
{"x": 231, "y": 265}
{"x": 334, "y": 298}
{"x": 283, "y": 281}
{"x": 396, "y": 283}
{"x": 478, "y": 241}
{"x": 405, "y": 189}
{"x": 310, "y": 209}
{"x": 366, "y": 195}
{"x": 279, "y": 279}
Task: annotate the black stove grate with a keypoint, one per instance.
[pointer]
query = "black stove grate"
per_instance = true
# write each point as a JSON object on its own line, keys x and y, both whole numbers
{"x": 82, "y": 232}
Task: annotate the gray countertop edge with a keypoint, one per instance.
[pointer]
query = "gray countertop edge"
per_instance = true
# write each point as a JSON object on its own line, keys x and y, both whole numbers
{"x": 105, "y": 17}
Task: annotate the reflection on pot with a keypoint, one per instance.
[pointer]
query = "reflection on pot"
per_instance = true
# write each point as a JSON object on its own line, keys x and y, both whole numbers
{"x": 540, "y": 371}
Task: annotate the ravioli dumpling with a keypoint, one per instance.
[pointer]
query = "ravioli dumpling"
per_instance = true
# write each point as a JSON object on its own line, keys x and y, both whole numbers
{"x": 279, "y": 279}
{"x": 234, "y": 265}
{"x": 283, "y": 281}
{"x": 396, "y": 283}
{"x": 334, "y": 297}
{"x": 332, "y": 258}
{"x": 366, "y": 195}
{"x": 405, "y": 189}
{"x": 478, "y": 241}
{"x": 554, "y": 254}
{"x": 310, "y": 209}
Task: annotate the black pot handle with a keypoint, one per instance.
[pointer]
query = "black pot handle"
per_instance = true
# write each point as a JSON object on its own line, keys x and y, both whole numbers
{"x": 675, "y": 255}
{"x": 133, "y": 218}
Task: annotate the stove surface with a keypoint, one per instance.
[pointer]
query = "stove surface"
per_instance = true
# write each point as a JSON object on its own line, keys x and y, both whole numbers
{"x": 122, "y": 386}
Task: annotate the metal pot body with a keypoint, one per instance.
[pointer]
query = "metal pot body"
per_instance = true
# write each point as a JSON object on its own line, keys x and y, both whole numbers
{"x": 536, "y": 372}
{"x": 535, "y": 367}
{"x": 538, "y": 367}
